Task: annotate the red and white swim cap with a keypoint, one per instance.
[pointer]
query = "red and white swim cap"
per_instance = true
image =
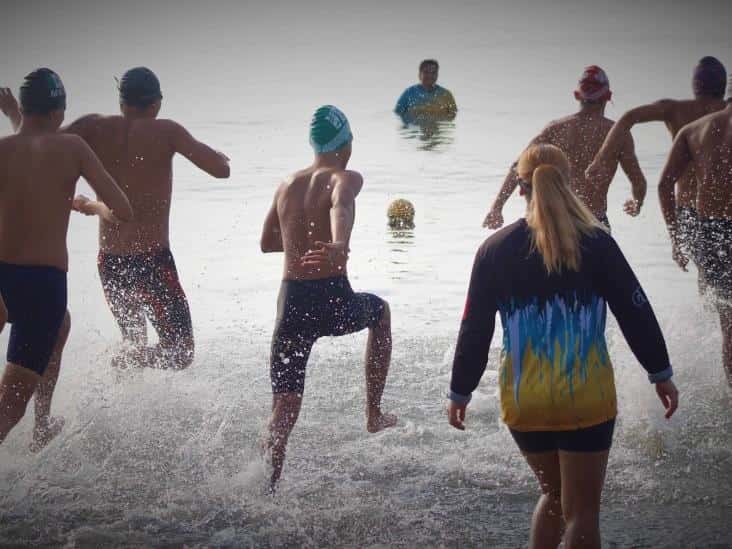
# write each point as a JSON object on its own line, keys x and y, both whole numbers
{"x": 593, "y": 85}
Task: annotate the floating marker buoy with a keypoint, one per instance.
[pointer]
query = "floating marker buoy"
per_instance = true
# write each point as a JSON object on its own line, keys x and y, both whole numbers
{"x": 400, "y": 214}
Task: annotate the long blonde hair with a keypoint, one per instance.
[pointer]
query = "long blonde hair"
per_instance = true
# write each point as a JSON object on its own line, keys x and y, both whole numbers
{"x": 557, "y": 218}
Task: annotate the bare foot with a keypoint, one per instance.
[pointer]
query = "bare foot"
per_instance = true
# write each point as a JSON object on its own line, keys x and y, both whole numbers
{"x": 44, "y": 434}
{"x": 378, "y": 422}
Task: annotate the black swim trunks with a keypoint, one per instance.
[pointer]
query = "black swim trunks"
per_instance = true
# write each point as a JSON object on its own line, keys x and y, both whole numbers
{"x": 714, "y": 240}
{"x": 687, "y": 221}
{"x": 148, "y": 284}
{"x": 308, "y": 310}
{"x": 35, "y": 297}
{"x": 597, "y": 438}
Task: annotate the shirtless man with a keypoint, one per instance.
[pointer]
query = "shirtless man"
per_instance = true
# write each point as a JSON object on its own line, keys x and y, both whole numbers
{"x": 136, "y": 266}
{"x": 580, "y": 136}
{"x": 40, "y": 171}
{"x": 311, "y": 219}
{"x": 708, "y": 83}
{"x": 705, "y": 146}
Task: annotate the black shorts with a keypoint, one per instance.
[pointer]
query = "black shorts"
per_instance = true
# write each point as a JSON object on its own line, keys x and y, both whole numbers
{"x": 307, "y": 310}
{"x": 714, "y": 243}
{"x": 687, "y": 222}
{"x": 597, "y": 438}
{"x": 147, "y": 285}
{"x": 35, "y": 297}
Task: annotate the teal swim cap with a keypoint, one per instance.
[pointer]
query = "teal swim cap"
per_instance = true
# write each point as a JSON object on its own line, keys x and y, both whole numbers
{"x": 329, "y": 130}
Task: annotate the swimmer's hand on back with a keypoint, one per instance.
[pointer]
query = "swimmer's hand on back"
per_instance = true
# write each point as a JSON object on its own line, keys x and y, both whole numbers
{"x": 325, "y": 253}
{"x": 84, "y": 205}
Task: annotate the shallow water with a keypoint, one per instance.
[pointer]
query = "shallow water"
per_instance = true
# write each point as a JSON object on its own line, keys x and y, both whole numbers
{"x": 171, "y": 458}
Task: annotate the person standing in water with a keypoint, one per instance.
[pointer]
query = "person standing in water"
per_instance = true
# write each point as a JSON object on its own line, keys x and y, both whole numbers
{"x": 705, "y": 148}
{"x": 708, "y": 82}
{"x": 136, "y": 265}
{"x": 40, "y": 171}
{"x": 310, "y": 220}
{"x": 580, "y": 136}
{"x": 550, "y": 276}
{"x": 426, "y": 99}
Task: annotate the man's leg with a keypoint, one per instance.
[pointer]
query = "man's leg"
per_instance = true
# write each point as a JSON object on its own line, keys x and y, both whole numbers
{"x": 378, "y": 358}
{"x": 583, "y": 476}
{"x": 725, "y": 318}
{"x": 285, "y": 411}
{"x": 16, "y": 388}
{"x": 122, "y": 285}
{"x": 547, "y": 522}
{"x": 170, "y": 315}
{"x": 46, "y": 427}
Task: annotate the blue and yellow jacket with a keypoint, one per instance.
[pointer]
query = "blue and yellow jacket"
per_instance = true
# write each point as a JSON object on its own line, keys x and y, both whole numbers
{"x": 555, "y": 372}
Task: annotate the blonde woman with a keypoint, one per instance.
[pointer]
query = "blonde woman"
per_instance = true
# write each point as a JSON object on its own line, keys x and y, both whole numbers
{"x": 550, "y": 277}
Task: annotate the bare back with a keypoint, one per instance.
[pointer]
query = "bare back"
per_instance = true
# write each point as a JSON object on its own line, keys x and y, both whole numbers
{"x": 304, "y": 203}
{"x": 678, "y": 115}
{"x": 709, "y": 142}
{"x": 36, "y": 190}
{"x": 580, "y": 137}
{"x": 138, "y": 153}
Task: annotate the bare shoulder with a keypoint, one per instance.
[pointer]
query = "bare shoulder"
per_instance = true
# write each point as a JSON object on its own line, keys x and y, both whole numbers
{"x": 350, "y": 179}
{"x": 167, "y": 125}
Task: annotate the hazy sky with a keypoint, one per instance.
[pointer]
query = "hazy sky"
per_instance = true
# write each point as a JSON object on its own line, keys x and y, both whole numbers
{"x": 220, "y": 57}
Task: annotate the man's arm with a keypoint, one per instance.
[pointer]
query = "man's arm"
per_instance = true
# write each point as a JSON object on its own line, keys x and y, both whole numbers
{"x": 629, "y": 163}
{"x": 342, "y": 216}
{"x": 678, "y": 161}
{"x": 611, "y": 148}
{"x": 494, "y": 219}
{"x": 450, "y": 105}
{"x": 271, "y": 240}
{"x": 106, "y": 188}
{"x": 343, "y": 208}
{"x": 9, "y": 107}
{"x": 402, "y": 103}
{"x": 204, "y": 157}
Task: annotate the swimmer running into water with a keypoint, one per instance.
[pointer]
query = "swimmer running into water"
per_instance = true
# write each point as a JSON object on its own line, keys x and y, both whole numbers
{"x": 40, "y": 170}
{"x": 708, "y": 82}
{"x": 310, "y": 220}
{"x": 705, "y": 146}
{"x": 580, "y": 136}
{"x": 136, "y": 265}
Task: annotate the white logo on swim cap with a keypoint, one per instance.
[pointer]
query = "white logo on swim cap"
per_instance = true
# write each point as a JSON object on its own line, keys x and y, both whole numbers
{"x": 58, "y": 87}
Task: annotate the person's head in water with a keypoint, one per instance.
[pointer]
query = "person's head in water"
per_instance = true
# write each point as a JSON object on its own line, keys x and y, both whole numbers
{"x": 42, "y": 95}
{"x": 593, "y": 87}
{"x": 139, "y": 92}
{"x": 709, "y": 78}
{"x": 330, "y": 133}
{"x": 557, "y": 218}
{"x": 428, "y": 72}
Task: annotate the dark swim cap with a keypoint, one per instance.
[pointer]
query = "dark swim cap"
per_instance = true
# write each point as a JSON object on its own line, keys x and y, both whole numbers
{"x": 139, "y": 88}
{"x": 710, "y": 77}
{"x": 42, "y": 92}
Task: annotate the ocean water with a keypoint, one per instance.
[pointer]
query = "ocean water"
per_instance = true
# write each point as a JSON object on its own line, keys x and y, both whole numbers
{"x": 155, "y": 458}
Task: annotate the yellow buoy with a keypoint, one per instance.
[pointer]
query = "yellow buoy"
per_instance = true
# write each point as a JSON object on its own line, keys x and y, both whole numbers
{"x": 400, "y": 214}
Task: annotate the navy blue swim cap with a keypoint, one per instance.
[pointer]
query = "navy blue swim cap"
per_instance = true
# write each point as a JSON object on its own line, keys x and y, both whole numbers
{"x": 139, "y": 88}
{"x": 42, "y": 92}
{"x": 710, "y": 77}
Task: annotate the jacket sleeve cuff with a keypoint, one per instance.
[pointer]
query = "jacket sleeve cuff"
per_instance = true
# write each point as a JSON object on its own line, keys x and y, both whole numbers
{"x": 663, "y": 375}
{"x": 457, "y": 398}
